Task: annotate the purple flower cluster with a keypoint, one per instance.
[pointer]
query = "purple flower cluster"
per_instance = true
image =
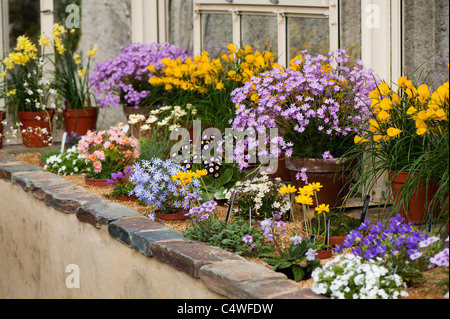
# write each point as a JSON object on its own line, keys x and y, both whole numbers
{"x": 270, "y": 225}
{"x": 331, "y": 100}
{"x": 397, "y": 242}
{"x": 124, "y": 79}
{"x": 202, "y": 212}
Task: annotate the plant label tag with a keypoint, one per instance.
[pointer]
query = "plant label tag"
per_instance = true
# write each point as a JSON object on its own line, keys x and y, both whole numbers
{"x": 365, "y": 208}
{"x": 230, "y": 206}
{"x": 63, "y": 142}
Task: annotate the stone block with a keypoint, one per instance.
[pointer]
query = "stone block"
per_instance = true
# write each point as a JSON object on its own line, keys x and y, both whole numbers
{"x": 103, "y": 212}
{"x": 189, "y": 256}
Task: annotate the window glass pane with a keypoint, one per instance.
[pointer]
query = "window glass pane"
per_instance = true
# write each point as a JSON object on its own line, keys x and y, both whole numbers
{"x": 217, "y": 32}
{"x": 179, "y": 24}
{"x": 257, "y": 31}
{"x": 426, "y": 40}
{"x": 350, "y": 28}
{"x": 311, "y": 34}
{"x": 24, "y": 19}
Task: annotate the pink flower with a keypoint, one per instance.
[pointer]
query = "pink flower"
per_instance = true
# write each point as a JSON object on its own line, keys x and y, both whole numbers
{"x": 107, "y": 144}
{"x": 98, "y": 140}
{"x": 100, "y": 155}
{"x": 97, "y": 167}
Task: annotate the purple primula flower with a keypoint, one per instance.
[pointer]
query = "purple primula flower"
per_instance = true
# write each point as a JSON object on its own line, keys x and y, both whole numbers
{"x": 209, "y": 206}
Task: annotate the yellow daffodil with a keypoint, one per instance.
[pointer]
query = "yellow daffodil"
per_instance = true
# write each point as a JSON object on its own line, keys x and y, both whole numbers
{"x": 93, "y": 51}
{"x": 219, "y": 86}
{"x": 358, "y": 139}
{"x": 81, "y": 72}
{"x": 76, "y": 58}
{"x": 402, "y": 81}
{"x": 393, "y": 132}
{"x": 43, "y": 40}
{"x": 411, "y": 111}
{"x": 231, "y": 47}
{"x": 383, "y": 116}
{"x": 384, "y": 89}
{"x": 386, "y": 104}
{"x": 10, "y": 93}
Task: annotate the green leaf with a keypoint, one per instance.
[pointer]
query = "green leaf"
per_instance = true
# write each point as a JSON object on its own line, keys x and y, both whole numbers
{"x": 299, "y": 272}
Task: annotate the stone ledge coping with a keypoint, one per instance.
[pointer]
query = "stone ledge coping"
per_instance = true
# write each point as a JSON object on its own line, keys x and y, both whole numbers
{"x": 222, "y": 272}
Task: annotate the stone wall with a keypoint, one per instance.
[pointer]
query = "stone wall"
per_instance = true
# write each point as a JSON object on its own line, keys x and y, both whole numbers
{"x": 48, "y": 224}
{"x": 106, "y": 23}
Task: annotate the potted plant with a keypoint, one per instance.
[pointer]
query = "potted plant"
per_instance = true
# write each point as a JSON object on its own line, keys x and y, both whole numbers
{"x": 397, "y": 244}
{"x": 312, "y": 104}
{"x": 108, "y": 152}
{"x": 207, "y": 81}
{"x": 69, "y": 162}
{"x": 124, "y": 80}
{"x": 72, "y": 82}
{"x": 32, "y": 100}
{"x": 122, "y": 186}
{"x": 259, "y": 198}
{"x": 297, "y": 261}
{"x": 406, "y": 139}
{"x": 162, "y": 185}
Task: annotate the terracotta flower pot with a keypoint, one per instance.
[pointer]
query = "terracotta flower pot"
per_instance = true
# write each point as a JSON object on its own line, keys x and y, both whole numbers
{"x": 126, "y": 198}
{"x": 282, "y": 171}
{"x": 324, "y": 254}
{"x": 328, "y": 173}
{"x": 179, "y": 215}
{"x": 80, "y": 121}
{"x": 2, "y": 118}
{"x": 420, "y": 199}
{"x": 36, "y": 128}
{"x": 96, "y": 182}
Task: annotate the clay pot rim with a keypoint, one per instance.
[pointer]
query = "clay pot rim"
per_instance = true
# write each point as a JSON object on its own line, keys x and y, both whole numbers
{"x": 314, "y": 165}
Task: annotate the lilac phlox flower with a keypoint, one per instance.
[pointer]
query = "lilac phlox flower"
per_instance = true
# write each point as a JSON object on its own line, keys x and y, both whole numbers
{"x": 428, "y": 242}
{"x": 311, "y": 254}
{"x": 327, "y": 156}
{"x": 440, "y": 259}
{"x": 209, "y": 206}
{"x": 193, "y": 196}
{"x": 248, "y": 239}
{"x": 195, "y": 211}
{"x": 414, "y": 254}
{"x": 296, "y": 240}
